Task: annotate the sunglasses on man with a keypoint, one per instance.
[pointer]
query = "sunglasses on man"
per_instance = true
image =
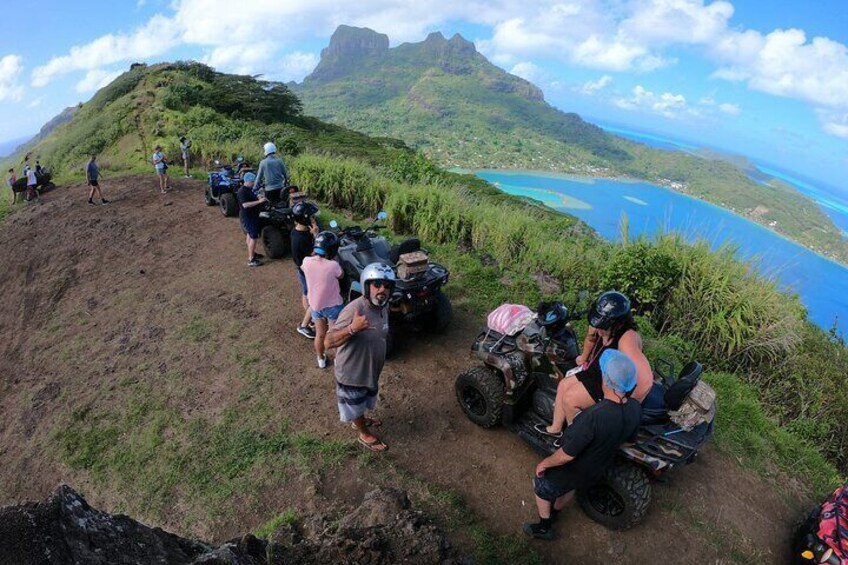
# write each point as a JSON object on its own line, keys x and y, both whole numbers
{"x": 382, "y": 283}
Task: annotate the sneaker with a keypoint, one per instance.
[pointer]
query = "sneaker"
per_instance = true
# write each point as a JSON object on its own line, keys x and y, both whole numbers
{"x": 322, "y": 362}
{"x": 91, "y": 202}
{"x": 542, "y": 429}
{"x": 537, "y": 531}
{"x": 188, "y": 176}
{"x": 104, "y": 201}
{"x": 254, "y": 262}
{"x": 306, "y": 332}
{"x": 258, "y": 256}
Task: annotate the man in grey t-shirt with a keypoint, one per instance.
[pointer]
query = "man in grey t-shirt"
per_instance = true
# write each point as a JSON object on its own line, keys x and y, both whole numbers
{"x": 272, "y": 174}
{"x": 360, "y": 334}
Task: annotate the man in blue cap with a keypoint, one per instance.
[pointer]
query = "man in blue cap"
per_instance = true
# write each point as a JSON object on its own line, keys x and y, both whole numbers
{"x": 249, "y": 208}
{"x": 589, "y": 445}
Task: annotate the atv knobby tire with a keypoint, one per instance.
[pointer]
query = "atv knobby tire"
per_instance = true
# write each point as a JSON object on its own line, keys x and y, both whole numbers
{"x": 480, "y": 393}
{"x": 275, "y": 243}
{"x": 440, "y": 318}
{"x": 207, "y": 197}
{"x": 229, "y": 205}
{"x": 620, "y": 500}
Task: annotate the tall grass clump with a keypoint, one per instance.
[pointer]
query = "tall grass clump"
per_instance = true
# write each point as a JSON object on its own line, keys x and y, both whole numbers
{"x": 736, "y": 318}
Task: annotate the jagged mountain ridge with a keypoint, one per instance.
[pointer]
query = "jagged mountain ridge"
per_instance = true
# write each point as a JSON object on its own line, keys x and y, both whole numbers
{"x": 441, "y": 95}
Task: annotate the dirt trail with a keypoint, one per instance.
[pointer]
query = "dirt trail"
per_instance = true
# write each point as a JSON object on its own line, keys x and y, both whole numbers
{"x": 130, "y": 274}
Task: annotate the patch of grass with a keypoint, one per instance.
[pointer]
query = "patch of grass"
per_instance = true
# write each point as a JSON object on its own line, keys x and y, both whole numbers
{"x": 328, "y": 452}
{"x": 197, "y": 330}
{"x": 495, "y": 550}
{"x": 286, "y": 518}
{"x": 147, "y": 449}
{"x": 745, "y": 431}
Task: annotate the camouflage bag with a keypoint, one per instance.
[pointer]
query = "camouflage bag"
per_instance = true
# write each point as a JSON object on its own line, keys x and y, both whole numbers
{"x": 698, "y": 407}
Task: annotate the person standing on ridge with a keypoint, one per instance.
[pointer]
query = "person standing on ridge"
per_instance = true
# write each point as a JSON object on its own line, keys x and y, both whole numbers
{"x": 11, "y": 180}
{"x": 272, "y": 175}
{"x": 92, "y": 174}
{"x": 589, "y": 445}
{"x": 302, "y": 239}
{"x": 360, "y": 334}
{"x": 185, "y": 146}
{"x": 249, "y": 217}
{"x": 161, "y": 165}
{"x": 322, "y": 274}
{"x": 32, "y": 182}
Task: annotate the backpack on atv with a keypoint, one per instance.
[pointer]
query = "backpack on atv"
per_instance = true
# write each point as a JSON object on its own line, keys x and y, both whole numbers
{"x": 823, "y": 535}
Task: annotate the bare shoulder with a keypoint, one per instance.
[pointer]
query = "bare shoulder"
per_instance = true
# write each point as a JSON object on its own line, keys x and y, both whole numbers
{"x": 631, "y": 340}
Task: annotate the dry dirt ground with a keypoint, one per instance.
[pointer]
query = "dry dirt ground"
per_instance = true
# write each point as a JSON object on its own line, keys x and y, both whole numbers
{"x": 152, "y": 293}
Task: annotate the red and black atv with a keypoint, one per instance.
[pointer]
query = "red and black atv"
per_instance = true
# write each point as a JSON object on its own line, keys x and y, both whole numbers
{"x": 516, "y": 385}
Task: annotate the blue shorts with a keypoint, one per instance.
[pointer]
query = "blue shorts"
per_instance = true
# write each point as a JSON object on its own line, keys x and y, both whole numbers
{"x": 302, "y": 278}
{"x": 354, "y": 401}
{"x": 250, "y": 227}
{"x": 330, "y": 313}
{"x": 547, "y": 489}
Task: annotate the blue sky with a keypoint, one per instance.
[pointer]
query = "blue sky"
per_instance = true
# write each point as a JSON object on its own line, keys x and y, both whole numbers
{"x": 768, "y": 79}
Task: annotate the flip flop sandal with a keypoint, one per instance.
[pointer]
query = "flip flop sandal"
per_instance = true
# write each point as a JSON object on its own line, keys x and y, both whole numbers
{"x": 369, "y": 422}
{"x": 543, "y": 430}
{"x": 376, "y": 446}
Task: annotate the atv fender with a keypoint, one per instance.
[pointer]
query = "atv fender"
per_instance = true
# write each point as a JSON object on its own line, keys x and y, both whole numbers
{"x": 502, "y": 365}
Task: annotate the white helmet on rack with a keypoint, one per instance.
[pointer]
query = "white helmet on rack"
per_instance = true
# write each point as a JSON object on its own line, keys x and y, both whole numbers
{"x": 270, "y": 148}
{"x": 376, "y": 272}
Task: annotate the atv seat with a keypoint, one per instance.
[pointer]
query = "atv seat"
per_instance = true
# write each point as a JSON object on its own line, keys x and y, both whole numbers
{"x": 407, "y": 246}
{"x": 656, "y": 405}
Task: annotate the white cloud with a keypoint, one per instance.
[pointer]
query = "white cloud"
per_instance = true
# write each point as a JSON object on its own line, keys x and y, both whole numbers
{"x": 659, "y": 22}
{"x": 36, "y": 103}
{"x": 527, "y": 71}
{"x": 592, "y": 87}
{"x": 11, "y": 67}
{"x": 96, "y": 79}
{"x": 834, "y": 123}
{"x": 784, "y": 63}
{"x": 667, "y": 104}
{"x": 154, "y": 38}
{"x": 732, "y": 109}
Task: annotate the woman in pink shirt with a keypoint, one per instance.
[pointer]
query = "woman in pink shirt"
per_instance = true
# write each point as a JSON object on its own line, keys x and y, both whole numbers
{"x": 323, "y": 294}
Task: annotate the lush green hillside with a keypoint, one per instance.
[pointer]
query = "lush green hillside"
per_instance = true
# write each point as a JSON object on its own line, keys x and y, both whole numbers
{"x": 444, "y": 98}
{"x": 225, "y": 115}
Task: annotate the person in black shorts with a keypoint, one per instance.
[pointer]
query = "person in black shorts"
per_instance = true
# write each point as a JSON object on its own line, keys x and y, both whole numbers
{"x": 611, "y": 326}
{"x": 589, "y": 445}
{"x": 249, "y": 208}
{"x": 92, "y": 175}
{"x": 302, "y": 243}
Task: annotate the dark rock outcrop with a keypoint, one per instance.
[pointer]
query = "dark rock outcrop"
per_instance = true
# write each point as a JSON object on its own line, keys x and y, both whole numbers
{"x": 65, "y": 529}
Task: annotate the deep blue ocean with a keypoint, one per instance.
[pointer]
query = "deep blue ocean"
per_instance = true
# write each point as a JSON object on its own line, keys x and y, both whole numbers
{"x": 821, "y": 284}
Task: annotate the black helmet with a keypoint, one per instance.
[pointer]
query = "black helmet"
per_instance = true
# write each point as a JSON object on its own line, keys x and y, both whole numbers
{"x": 303, "y": 212}
{"x": 326, "y": 244}
{"x": 607, "y": 309}
{"x": 552, "y": 315}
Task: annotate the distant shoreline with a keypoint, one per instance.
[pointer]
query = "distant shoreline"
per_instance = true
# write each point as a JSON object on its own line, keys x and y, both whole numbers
{"x": 585, "y": 179}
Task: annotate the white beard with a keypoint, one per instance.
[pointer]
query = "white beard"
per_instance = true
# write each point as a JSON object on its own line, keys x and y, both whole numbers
{"x": 379, "y": 302}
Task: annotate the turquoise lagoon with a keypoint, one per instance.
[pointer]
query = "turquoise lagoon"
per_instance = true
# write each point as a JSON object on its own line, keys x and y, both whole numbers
{"x": 822, "y": 284}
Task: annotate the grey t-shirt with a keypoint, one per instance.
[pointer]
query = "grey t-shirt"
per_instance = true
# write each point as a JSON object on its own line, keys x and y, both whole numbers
{"x": 272, "y": 173}
{"x": 359, "y": 362}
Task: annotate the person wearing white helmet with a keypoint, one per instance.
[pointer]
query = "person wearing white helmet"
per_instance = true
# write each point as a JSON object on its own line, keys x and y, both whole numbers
{"x": 272, "y": 174}
{"x": 360, "y": 334}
